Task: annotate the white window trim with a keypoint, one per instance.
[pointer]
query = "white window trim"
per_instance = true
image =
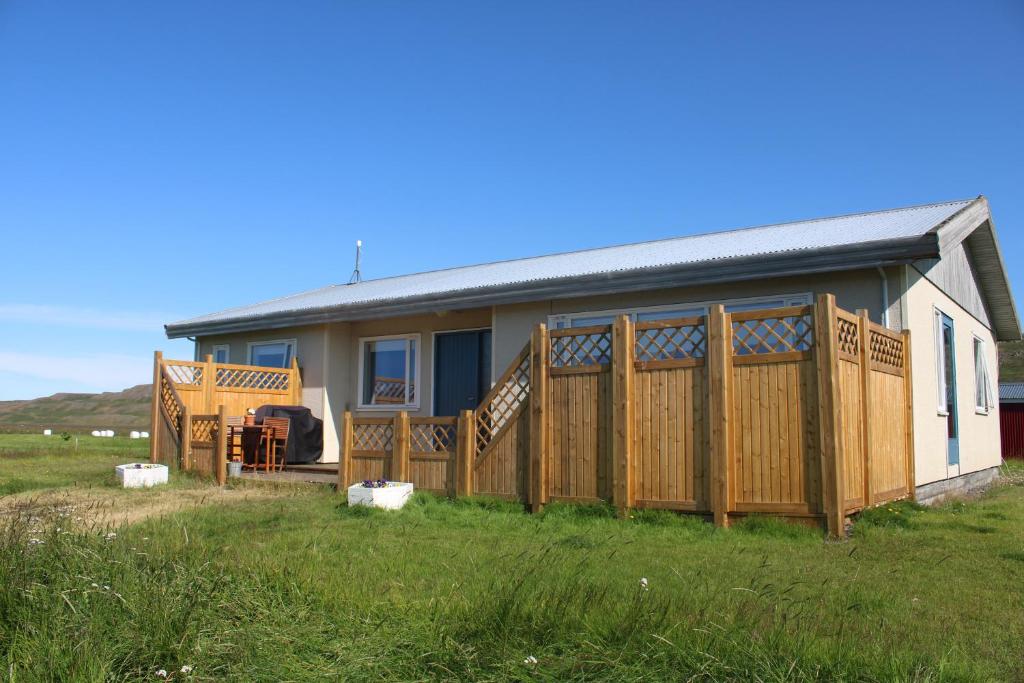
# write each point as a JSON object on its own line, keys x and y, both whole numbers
{"x": 415, "y": 404}
{"x": 227, "y": 352}
{"x": 983, "y": 354}
{"x": 293, "y": 342}
{"x": 799, "y": 299}
{"x": 940, "y": 366}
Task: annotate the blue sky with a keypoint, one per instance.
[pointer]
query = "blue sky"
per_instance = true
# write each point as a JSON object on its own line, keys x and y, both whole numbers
{"x": 163, "y": 160}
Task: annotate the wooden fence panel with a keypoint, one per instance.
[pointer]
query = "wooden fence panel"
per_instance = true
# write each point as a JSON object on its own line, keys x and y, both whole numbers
{"x": 432, "y": 450}
{"x": 500, "y": 467}
{"x": 887, "y": 456}
{"x": 203, "y": 386}
{"x": 774, "y": 419}
{"x": 203, "y": 456}
{"x": 579, "y": 462}
{"x": 372, "y": 444}
{"x": 852, "y": 433}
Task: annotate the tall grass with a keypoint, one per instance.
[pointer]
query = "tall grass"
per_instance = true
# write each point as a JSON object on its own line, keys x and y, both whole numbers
{"x": 305, "y": 589}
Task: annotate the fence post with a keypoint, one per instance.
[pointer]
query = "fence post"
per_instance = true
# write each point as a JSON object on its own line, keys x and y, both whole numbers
{"x": 623, "y": 351}
{"x": 463, "y": 477}
{"x": 154, "y": 432}
{"x": 209, "y": 384}
{"x": 539, "y": 427}
{"x": 400, "y": 447}
{"x": 719, "y": 359}
{"x": 908, "y": 392}
{"x": 221, "y": 450}
{"x": 295, "y": 383}
{"x": 864, "y": 333}
{"x": 829, "y": 414}
{"x": 185, "y": 462}
{"x": 345, "y": 460}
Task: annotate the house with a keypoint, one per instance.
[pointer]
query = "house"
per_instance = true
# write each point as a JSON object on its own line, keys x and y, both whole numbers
{"x": 1011, "y": 418}
{"x": 432, "y": 343}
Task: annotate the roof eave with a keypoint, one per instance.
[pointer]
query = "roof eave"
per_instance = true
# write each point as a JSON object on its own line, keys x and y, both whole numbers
{"x": 850, "y": 257}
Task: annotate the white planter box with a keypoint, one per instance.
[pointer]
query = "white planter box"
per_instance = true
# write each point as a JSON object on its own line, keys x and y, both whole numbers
{"x": 391, "y": 497}
{"x": 142, "y": 474}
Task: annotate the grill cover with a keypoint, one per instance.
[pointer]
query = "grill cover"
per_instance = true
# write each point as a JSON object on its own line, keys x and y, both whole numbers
{"x": 305, "y": 432}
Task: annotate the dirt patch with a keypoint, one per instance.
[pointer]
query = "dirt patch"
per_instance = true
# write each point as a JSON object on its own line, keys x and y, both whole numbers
{"x": 96, "y": 508}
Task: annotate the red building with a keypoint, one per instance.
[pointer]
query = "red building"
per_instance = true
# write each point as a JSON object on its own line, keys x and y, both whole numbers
{"x": 1011, "y": 418}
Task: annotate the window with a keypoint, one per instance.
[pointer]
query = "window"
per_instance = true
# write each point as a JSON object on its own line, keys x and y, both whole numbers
{"x": 272, "y": 354}
{"x": 585, "y": 319}
{"x": 983, "y": 398}
{"x": 944, "y": 362}
{"x": 221, "y": 353}
{"x": 389, "y": 372}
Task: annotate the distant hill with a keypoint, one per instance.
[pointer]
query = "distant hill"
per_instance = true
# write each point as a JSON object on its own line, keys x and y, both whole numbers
{"x": 121, "y": 410}
{"x": 1011, "y": 361}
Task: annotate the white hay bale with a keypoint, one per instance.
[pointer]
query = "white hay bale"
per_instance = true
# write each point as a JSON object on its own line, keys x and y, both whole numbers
{"x": 144, "y": 435}
{"x": 97, "y": 432}
{"x": 133, "y": 434}
{"x": 47, "y": 432}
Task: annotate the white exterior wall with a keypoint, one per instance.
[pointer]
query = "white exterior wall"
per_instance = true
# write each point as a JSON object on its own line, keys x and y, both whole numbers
{"x": 978, "y": 433}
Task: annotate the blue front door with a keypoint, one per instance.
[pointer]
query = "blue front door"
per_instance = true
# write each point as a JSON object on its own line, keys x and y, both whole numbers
{"x": 949, "y": 373}
{"x": 462, "y": 370}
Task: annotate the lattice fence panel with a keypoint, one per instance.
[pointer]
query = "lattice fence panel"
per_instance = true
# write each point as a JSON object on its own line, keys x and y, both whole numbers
{"x": 170, "y": 402}
{"x": 886, "y": 350}
{"x": 372, "y": 437}
{"x": 848, "y": 336}
{"x": 579, "y": 350}
{"x": 389, "y": 390}
{"x": 185, "y": 374}
{"x": 432, "y": 438}
{"x": 496, "y": 410}
{"x": 263, "y": 380}
{"x": 204, "y": 429}
{"x": 772, "y": 335}
{"x": 671, "y": 343}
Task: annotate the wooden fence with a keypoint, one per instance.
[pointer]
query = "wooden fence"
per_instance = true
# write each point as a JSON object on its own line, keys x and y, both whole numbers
{"x": 803, "y": 411}
{"x": 191, "y": 400}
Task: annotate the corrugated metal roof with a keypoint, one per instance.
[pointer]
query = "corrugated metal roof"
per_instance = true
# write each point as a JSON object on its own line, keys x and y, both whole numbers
{"x": 1011, "y": 391}
{"x": 821, "y": 233}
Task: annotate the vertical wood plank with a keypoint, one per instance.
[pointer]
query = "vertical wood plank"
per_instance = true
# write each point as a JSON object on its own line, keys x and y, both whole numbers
{"x": 221, "y": 451}
{"x": 209, "y": 384}
{"x": 345, "y": 464}
{"x": 720, "y": 361}
{"x": 908, "y": 398}
{"x": 864, "y": 334}
{"x": 539, "y": 422}
{"x": 400, "y": 447}
{"x": 185, "y": 463}
{"x": 623, "y": 377}
{"x": 154, "y": 412}
{"x": 462, "y": 477}
{"x": 829, "y": 413}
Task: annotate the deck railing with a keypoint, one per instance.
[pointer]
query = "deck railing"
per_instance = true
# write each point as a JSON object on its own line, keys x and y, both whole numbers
{"x": 192, "y": 399}
{"x": 803, "y": 411}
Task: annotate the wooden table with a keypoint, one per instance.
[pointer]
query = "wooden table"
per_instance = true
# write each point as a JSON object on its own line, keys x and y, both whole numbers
{"x": 251, "y": 437}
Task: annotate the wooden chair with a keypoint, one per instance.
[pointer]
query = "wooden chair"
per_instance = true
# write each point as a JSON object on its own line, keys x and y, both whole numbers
{"x": 275, "y": 435}
{"x": 234, "y": 437}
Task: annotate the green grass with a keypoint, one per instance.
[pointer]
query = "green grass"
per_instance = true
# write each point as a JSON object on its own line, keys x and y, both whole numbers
{"x": 304, "y": 588}
{"x": 32, "y": 461}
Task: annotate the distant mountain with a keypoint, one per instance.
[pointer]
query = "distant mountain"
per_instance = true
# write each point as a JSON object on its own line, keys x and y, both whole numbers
{"x": 121, "y": 410}
{"x": 1011, "y": 361}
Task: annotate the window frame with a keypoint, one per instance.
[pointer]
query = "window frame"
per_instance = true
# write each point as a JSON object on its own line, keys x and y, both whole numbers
{"x": 979, "y": 348}
{"x": 797, "y": 299}
{"x": 415, "y": 404}
{"x": 940, "y": 365}
{"x": 226, "y": 348}
{"x": 294, "y": 350}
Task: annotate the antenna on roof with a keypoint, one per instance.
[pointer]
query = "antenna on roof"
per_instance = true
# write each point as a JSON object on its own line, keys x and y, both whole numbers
{"x": 357, "y": 276}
